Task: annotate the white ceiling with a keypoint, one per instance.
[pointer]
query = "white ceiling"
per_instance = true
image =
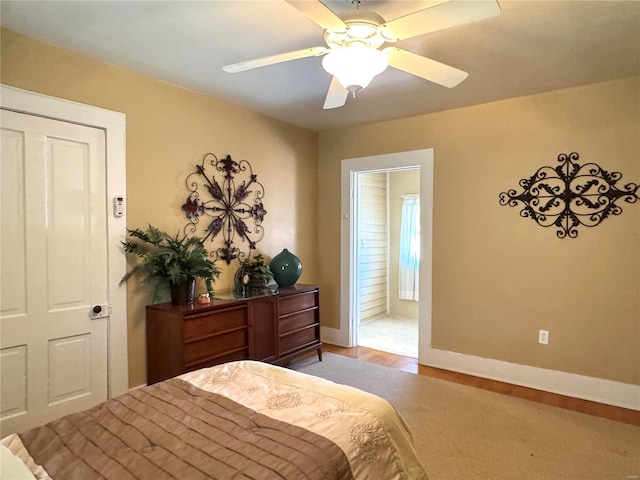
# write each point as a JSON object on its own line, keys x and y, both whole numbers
{"x": 531, "y": 47}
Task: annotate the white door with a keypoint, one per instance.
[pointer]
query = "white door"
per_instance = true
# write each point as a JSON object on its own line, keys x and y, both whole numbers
{"x": 53, "y": 270}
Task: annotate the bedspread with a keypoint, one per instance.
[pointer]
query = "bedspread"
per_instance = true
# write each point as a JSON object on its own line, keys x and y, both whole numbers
{"x": 241, "y": 420}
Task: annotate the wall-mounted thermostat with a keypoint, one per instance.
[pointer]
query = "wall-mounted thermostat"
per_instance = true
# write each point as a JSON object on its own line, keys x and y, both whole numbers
{"x": 118, "y": 206}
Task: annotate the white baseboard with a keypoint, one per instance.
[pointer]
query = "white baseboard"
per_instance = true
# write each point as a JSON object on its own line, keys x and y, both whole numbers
{"x": 570, "y": 384}
{"x": 599, "y": 390}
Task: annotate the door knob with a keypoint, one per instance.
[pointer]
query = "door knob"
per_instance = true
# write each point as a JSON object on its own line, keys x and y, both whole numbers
{"x": 99, "y": 311}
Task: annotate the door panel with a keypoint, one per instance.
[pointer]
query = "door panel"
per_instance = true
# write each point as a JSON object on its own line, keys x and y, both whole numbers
{"x": 53, "y": 259}
{"x": 13, "y": 368}
{"x": 75, "y": 350}
{"x": 69, "y": 219}
{"x": 13, "y": 299}
{"x": 263, "y": 318}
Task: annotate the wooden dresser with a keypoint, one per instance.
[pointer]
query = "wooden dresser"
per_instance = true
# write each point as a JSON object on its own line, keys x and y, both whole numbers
{"x": 272, "y": 328}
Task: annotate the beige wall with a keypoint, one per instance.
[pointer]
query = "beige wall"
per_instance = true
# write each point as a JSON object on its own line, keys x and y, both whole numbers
{"x": 499, "y": 278}
{"x": 168, "y": 131}
{"x": 401, "y": 182}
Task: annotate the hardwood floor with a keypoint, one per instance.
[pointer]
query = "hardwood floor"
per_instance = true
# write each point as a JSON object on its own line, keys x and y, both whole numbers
{"x": 411, "y": 365}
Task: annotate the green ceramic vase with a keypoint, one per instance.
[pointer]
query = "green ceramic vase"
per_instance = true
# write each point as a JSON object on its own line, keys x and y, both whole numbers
{"x": 286, "y": 268}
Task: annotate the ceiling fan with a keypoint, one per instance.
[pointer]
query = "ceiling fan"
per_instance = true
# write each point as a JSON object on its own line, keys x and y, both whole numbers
{"x": 353, "y": 54}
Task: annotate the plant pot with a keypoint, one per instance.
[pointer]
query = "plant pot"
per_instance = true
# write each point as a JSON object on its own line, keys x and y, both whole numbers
{"x": 256, "y": 285}
{"x": 182, "y": 293}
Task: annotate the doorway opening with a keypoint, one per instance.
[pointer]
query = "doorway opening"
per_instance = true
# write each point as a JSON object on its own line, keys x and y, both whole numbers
{"x": 420, "y": 162}
{"x": 388, "y": 253}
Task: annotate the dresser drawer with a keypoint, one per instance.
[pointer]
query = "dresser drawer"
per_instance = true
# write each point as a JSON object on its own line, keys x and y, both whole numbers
{"x": 211, "y": 323}
{"x": 211, "y": 347}
{"x": 298, "y": 320}
{"x": 301, "y": 338}
{"x": 296, "y": 303}
{"x": 228, "y": 357}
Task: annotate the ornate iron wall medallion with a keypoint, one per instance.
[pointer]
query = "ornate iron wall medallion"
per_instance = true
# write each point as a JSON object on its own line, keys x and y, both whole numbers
{"x": 570, "y": 195}
{"x": 232, "y": 205}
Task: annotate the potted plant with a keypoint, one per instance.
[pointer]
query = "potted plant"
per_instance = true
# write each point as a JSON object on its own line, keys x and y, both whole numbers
{"x": 252, "y": 276}
{"x": 170, "y": 263}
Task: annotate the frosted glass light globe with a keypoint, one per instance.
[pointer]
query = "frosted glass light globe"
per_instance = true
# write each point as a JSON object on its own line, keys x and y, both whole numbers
{"x": 355, "y": 66}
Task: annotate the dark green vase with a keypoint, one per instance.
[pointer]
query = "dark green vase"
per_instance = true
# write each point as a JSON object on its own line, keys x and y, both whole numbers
{"x": 286, "y": 268}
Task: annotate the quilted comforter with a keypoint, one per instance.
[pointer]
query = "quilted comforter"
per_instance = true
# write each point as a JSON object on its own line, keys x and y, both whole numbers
{"x": 241, "y": 420}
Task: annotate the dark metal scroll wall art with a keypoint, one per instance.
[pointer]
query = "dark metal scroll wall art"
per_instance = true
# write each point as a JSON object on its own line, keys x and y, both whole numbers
{"x": 234, "y": 204}
{"x": 570, "y": 195}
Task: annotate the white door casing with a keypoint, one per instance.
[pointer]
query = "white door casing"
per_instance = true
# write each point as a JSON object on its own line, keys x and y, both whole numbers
{"x": 60, "y": 258}
{"x": 422, "y": 159}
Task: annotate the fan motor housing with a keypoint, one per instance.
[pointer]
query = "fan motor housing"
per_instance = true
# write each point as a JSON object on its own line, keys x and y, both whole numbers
{"x": 363, "y": 27}
{"x": 362, "y": 15}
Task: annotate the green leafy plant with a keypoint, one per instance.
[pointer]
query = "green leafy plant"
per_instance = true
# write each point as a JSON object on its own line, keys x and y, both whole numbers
{"x": 166, "y": 259}
{"x": 253, "y": 275}
{"x": 258, "y": 270}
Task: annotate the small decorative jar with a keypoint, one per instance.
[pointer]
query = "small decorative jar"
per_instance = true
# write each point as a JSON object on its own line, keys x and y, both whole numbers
{"x": 286, "y": 268}
{"x": 204, "y": 298}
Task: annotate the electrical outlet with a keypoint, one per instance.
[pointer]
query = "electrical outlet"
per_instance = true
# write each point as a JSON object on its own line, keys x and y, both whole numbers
{"x": 543, "y": 337}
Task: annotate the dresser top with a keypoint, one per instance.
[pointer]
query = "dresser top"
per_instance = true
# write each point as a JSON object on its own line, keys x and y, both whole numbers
{"x": 229, "y": 298}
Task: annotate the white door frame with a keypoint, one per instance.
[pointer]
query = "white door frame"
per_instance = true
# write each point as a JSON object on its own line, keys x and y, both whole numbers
{"x": 113, "y": 124}
{"x": 423, "y": 159}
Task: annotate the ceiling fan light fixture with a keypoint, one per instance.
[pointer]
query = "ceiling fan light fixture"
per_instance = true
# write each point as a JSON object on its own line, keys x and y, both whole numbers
{"x": 358, "y": 30}
{"x": 362, "y": 23}
{"x": 355, "y": 66}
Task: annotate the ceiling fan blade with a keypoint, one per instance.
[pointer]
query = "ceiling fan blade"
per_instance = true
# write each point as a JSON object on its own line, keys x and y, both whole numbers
{"x": 319, "y": 13}
{"x": 445, "y": 14}
{"x": 425, "y": 67}
{"x": 336, "y": 96}
{"x": 281, "y": 57}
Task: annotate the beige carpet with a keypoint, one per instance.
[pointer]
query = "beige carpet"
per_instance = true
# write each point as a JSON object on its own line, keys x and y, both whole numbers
{"x": 397, "y": 335}
{"x": 467, "y": 433}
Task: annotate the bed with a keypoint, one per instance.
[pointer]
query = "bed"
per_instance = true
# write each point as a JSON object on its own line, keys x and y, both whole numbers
{"x": 239, "y": 420}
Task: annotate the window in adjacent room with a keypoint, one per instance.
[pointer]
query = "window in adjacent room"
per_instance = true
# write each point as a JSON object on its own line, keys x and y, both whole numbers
{"x": 409, "y": 276}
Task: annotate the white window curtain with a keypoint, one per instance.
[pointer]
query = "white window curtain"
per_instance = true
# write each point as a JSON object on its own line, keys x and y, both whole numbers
{"x": 409, "y": 280}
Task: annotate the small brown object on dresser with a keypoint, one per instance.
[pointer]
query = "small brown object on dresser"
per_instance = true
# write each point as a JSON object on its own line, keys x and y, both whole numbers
{"x": 271, "y": 328}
